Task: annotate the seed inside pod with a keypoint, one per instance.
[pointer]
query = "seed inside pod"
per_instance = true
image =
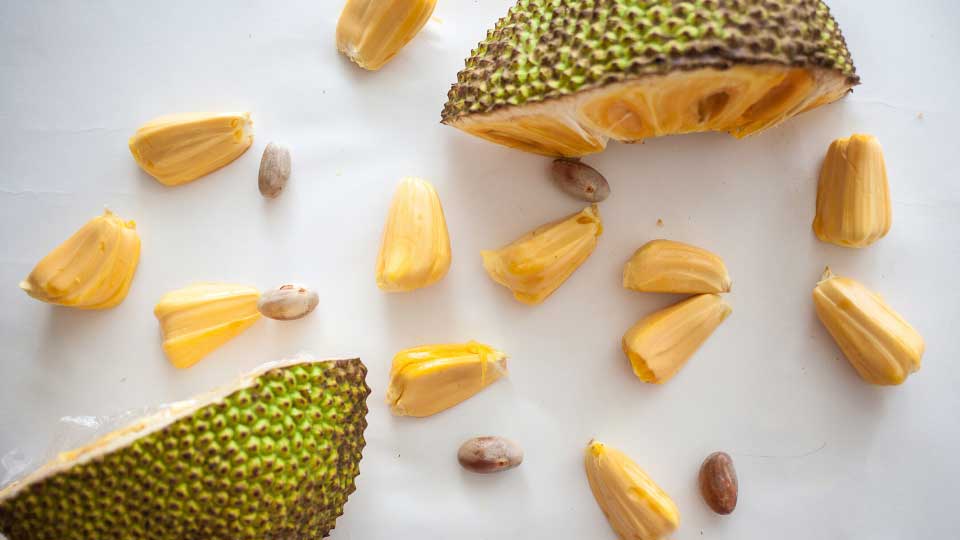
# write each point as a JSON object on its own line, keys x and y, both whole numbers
{"x": 288, "y": 302}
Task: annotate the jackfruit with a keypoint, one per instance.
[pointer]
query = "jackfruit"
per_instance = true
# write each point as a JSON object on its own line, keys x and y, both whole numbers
{"x": 536, "y": 264}
{"x": 92, "y": 269}
{"x": 561, "y": 77}
{"x": 372, "y": 32}
{"x": 273, "y": 455}
{"x": 853, "y": 197}
{"x": 415, "y": 249}
{"x": 878, "y": 342}
{"x": 632, "y": 502}
{"x": 432, "y": 378}
{"x": 197, "y": 319}
{"x": 674, "y": 267}
{"x": 178, "y": 148}
{"x": 661, "y": 343}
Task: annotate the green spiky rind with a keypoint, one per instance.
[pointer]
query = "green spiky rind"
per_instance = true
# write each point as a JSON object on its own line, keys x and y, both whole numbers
{"x": 272, "y": 461}
{"x": 547, "y": 49}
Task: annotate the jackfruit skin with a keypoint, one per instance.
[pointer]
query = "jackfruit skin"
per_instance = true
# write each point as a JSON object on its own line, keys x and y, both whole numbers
{"x": 275, "y": 460}
{"x": 548, "y": 49}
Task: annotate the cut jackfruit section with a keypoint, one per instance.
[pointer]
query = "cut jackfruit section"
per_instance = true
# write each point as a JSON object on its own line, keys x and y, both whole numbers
{"x": 561, "y": 79}
{"x": 272, "y": 455}
{"x": 197, "y": 319}
{"x": 92, "y": 269}
{"x": 178, "y": 148}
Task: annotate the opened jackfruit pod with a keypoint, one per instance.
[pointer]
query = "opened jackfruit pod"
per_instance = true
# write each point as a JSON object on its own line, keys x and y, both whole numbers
{"x": 415, "y": 249}
{"x": 560, "y": 78}
{"x": 661, "y": 343}
{"x": 178, "y": 148}
{"x": 273, "y": 455}
{"x": 878, "y": 342}
{"x": 92, "y": 269}
{"x": 372, "y": 32}
{"x": 536, "y": 264}
{"x": 432, "y": 378}
{"x": 197, "y": 319}
{"x": 635, "y": 506}
{"x": 674, "y": 267}
{"x": 853, "y": 196}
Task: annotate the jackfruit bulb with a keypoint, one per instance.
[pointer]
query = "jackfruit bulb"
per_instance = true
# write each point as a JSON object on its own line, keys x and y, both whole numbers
{"x": 92, "y": 269}
{"x": 273, "y": 455}
{"x": 178, "y": 148}
{"x": 372, "y": 32}
{"x": 562, "y": 78}
{"x": 197, "y": 319}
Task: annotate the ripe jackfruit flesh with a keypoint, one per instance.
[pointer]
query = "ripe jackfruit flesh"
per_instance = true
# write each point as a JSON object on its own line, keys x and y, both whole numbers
{"x": 197, "y": 319}
{"x": 674, "y": 267}
{"x": 661, "y": 343}
{"x": 92, "y": 269}
{"x": 536, "y": 264}
{"x": 432, "y": 378}
{"x": 633, "y": 503}
{"x": 178, "y": 148}
{"x": 273, "y": 455}
{"x": 878, "y": 342}
{"x": 372, "y": 32}
{"x": 415, "y": 249}
{"x": 560, "y": 78}
{"x": 853, "y": 197}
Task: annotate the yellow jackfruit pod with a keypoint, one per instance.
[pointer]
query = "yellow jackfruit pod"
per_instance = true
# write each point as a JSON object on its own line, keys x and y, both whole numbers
{"x": 635, "y": 506}
{"x": 178, "y": 148}
{"x": 661, "y": 343}
{"x": 92, "y": 269}
{"x": 853, "y": 197}
{"x": 878, "y": 342}
{"x": 674, "y": 267}
{"x": 536, "y": 264}
{"x": 415, "y": 250}
{"x": 197, "y": 319}
{"x": 432, "y": 378}
{"x": 372, "y": 32}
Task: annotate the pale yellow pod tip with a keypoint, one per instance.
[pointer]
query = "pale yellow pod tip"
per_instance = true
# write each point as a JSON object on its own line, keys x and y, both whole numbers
{"x": 371, "y": 32}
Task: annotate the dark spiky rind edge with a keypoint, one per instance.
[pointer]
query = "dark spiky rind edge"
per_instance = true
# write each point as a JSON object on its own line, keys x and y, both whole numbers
{"x": 302, "y": 422}
{"x": 548, "y": 49}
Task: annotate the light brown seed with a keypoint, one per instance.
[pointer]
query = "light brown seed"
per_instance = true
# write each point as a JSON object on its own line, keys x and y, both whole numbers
{"x": 580, "y": 180}
{"x": 718, "y": 483}
{"x": 288, "y": 302}
{"x": 274, "y": 170}
{"x": 489, "y": 454}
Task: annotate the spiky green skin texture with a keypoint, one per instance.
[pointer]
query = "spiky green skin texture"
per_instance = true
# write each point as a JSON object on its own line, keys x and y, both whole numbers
{"x": 545, "y": 49}
{"x": 273, "y": 461}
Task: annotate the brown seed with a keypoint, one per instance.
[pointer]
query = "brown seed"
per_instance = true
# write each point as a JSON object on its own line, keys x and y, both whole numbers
{"x": 489, "y": 454}
{"x": 718, "y": 483}
{"x": 580, "y": 180}
{"x": 274, "y": 170}
{"x": 288, "y": 302}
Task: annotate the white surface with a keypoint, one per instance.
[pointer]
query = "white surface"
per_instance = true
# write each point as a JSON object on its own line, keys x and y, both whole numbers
{"x": 820, "y": 454}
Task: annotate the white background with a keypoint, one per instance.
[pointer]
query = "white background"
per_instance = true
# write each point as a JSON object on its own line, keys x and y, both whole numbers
{"x": 820, "y": 454}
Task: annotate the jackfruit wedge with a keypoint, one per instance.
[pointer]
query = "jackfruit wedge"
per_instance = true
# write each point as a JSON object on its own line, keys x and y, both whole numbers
{"x": 197, "y": 319}
{"x": 562, "y": 78}
{"x": 178, "y": 148}
{"x": 92, "y": 269}
{"x": 372, "y": 32}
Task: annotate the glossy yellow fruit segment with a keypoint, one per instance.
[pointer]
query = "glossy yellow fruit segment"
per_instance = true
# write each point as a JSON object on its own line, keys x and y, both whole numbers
{"x": 371, "y": 32}
{"x": 429, "y": 379}
{"x": 853, "y": 197}
{"x": 633, "y": 503}
{"x": 178, "y": 148}
{"x": 674, "y": 267}
{"x": 197, "y": 319}
{"x": 92, "y": 269}
{"x": 878, "y": 342}
{"x": 415, "y": 249}
{"x": 661, "y": 343}
{"x": 536, "y": 264}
